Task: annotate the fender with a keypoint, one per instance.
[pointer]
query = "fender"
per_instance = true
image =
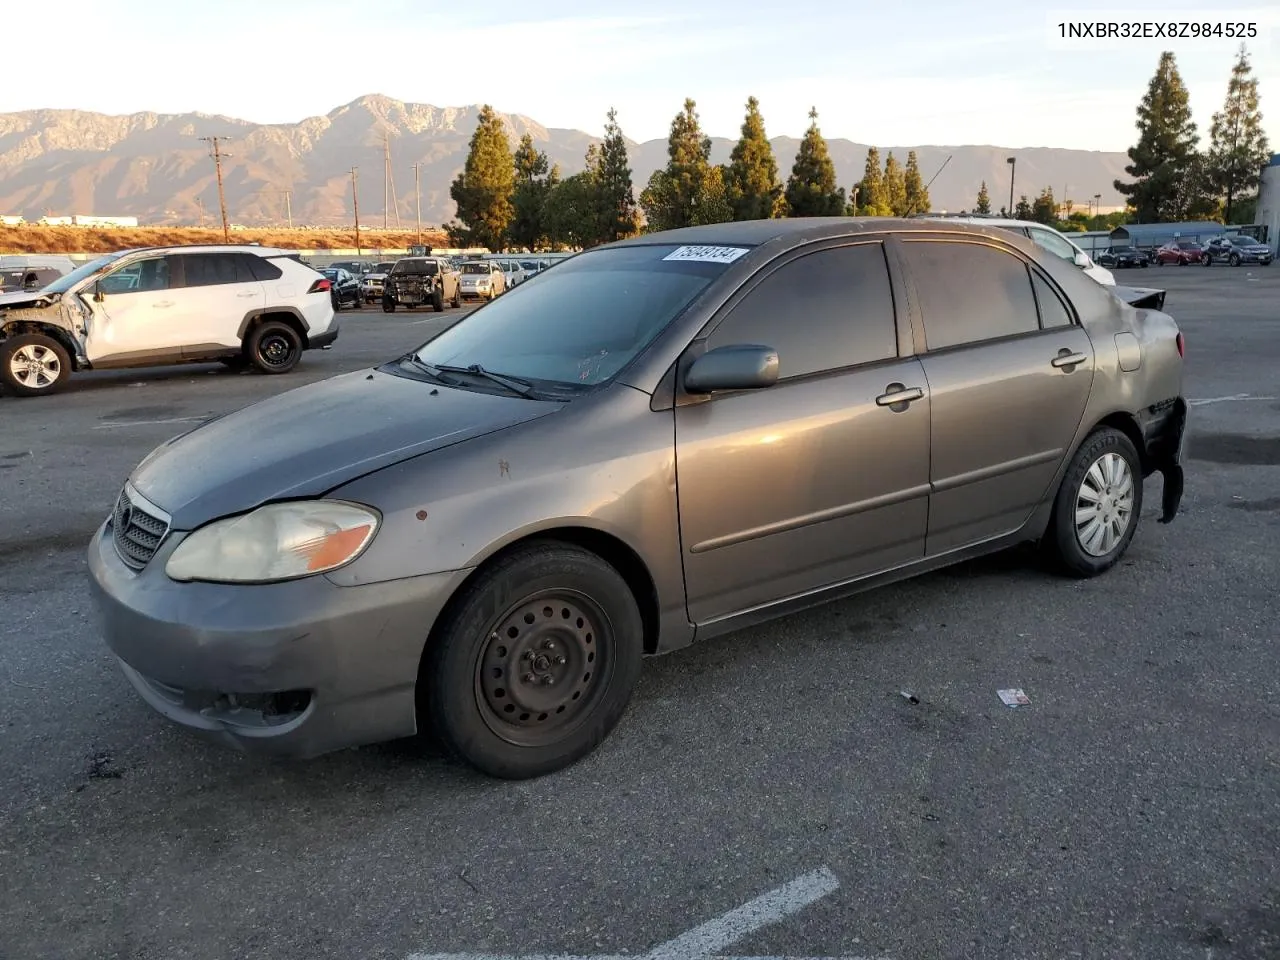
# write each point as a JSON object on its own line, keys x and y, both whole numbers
{"x": 257, "y": 312}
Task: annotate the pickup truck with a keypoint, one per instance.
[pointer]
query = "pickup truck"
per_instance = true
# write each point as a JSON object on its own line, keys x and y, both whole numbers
{"x": 418, "y": 281}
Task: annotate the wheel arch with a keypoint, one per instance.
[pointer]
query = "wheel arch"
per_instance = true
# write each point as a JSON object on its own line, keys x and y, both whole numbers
{"x": 16, "y": 328}
{"x": 287, "y": 315}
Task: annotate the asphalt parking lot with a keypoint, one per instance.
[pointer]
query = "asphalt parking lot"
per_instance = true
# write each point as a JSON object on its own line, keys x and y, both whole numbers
{"x": 1129, "y": 811}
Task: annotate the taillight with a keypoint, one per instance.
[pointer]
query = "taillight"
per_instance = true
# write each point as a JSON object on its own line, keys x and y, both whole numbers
{"x": 1182, "y": 347}
{"x": 321, "y": 286}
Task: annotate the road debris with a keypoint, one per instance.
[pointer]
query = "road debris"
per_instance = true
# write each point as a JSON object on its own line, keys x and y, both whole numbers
{"x": 1014, "y": 698}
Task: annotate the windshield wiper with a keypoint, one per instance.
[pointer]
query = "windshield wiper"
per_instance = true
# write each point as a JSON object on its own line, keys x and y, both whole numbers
{"x": 514, "y": 384}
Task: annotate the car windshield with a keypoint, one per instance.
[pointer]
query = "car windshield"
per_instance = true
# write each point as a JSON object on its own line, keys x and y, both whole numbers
{"x": 65, "y": 283}
{"x": 580, "y": 324}
{"x": 1188, "y": 244}
{"x": 384, "y": 267}
{"x": 417, "y": 268}
{"x": 475, "y": 268}
{"x": 1241, "y": 241}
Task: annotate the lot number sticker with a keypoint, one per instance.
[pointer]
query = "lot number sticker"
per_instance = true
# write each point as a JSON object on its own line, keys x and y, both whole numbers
{"x": 706, "y": 254}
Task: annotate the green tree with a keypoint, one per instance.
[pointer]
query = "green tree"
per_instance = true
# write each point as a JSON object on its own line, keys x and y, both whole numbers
{"x": 811, "y": 188}
{"x": 528, "y": 228}
{"x": 572, "y": 211}
{"x": 484, "y": 189}
{"x": 689, "y": 191}
{"x": 917, "y": 193}
{"x": 1197, "y": 196}
{"x": 1044, "y": 210}
{"x": 872, "y": 197}
{"x": 895, "y": 185}
{"x": 1165, "y": 149}
{"x": 619, "y": 217}
{"x": 1024, "y": 210}
{"x": 984, "y": 200}
{"x": 751, "y": 176}
{"x": 1238, "y": 147}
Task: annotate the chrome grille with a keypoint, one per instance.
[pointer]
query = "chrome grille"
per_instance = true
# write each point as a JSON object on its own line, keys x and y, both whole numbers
{"x": 136, "y": 531}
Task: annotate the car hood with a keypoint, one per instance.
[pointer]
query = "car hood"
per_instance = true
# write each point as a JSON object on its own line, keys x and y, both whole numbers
{"x": 307, "y": 441}
{"x": 24, "y": 298}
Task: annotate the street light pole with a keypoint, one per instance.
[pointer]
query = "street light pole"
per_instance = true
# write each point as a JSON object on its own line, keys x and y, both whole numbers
{"x": 1013, "y": 168}
{"x": 417, "y": 200}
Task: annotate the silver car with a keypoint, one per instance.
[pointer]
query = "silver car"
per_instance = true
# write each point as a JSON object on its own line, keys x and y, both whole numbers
{"x": 655, "y": 442}
{"x": 482, "y": 280}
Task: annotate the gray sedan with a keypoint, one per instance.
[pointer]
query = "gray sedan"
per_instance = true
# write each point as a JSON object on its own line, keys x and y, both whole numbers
{"x": 659, "y": 441}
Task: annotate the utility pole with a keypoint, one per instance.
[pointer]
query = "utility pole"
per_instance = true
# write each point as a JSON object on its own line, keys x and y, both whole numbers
{"x": 386, "y": 177}
{"x": 1013, "y": 168}
{"x": 200, "y": 207}
{"x": 355, "y": 207}
{"x": 288, "y": 207}
{"x": 222, "y": 199}
{"x": 417, "y": 200}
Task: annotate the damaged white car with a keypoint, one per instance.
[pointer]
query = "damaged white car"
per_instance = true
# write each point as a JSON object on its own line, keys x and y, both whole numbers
{"x": 165, "y": 305}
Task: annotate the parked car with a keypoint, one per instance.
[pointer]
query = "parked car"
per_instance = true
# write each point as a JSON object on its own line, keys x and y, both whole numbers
{"x": 371, "y": 283}
{"x": 422, "y": 281}
{"x": 1127, "y": 257}
{"x": 156, "y": 306}
{"x": 357, "y": 268}
{"x": 13, "y": 262}
{"x": 1042, "y": 236}
{"x": 345, "y": 288}
{"x": 27, "y": 279}
{"x": 1235, "y": 249}
{"x": 1181, "y": 252}
{"x": 490, "y": 531}
{"x": 513, "y": 272}
{"x": 482, "y": 280}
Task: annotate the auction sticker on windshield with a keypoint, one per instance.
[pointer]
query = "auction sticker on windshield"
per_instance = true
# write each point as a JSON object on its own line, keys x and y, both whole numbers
{"x": 706, "y": 254}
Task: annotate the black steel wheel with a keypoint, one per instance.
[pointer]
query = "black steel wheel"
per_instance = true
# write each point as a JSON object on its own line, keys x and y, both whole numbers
{"x": 535, "y": 663}
{"x": 274, "y": 347}
{"x": 388, "y": 305}
{"x": 437, "y": 299}
{"x": 456, "y": 302}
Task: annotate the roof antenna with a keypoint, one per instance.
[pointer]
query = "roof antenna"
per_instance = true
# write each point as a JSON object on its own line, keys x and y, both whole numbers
{"x": 911, "y": 209}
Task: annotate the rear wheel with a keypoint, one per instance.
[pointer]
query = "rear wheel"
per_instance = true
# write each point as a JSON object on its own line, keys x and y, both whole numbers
{"x": 1096, "y": 511}
{"x": 32, "y": 364}
{"x": 535, "y": 665}
{"x": 274, "y": 347}
{"x": 1206, "y": 260}
{"x": 388, "y": 305}
{"x": 1234, "y": 260}
{"x": 437, "y": 299}
{"x": 457, "y": 297}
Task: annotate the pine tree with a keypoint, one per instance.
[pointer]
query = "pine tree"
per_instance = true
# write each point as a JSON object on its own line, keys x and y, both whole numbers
{"x": 527, "y": 228}
{"x": 895, "y": 185}
{"x": 690, "y": 190}
{"x": 618, "y": 213}
{"x": 1024, "y": 210}
{"x": 1238, "y": 147}
{"x": 751, "y": 177}
{"x": 483, "y": 191}
{"x": 572, "y": 210}
{"x": 1165, "y": 149}
{"x": 873, "y": 199}
{"x": 916, "y": 192}
{"x": 984, "y": 199}
{"x": 811, "y": 188}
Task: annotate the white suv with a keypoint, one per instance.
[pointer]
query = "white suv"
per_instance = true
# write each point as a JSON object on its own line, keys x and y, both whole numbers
{"x": 1044, "y": 237}
{"x": 164, "y": 305}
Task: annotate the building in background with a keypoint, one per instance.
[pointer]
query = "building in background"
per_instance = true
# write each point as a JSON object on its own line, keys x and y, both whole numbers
{"x": 1268, "y": 212}
{"x": 81, "y": 220}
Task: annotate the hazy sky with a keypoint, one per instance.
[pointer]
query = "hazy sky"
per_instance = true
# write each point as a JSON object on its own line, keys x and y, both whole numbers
{"x": 910, "y": 72}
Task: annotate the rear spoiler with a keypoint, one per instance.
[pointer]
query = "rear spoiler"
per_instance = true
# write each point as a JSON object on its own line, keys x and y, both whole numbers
{"x": 1144, "y": 298}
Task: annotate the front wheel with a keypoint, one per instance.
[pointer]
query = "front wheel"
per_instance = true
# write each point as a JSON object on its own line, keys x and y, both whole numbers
{"x": 1096, "y": 511}
{"x": 536, "y": 662}
{"x": 32, "y": 364}
{"x": 274, "y": 347}
{"x": 388, "y": 305}
{"x": 437, "y": 300}
{"x": 456, "y": 302}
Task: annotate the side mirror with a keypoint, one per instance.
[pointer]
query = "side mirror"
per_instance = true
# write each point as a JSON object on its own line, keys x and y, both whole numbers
{"x": 98, "y": 295}
{"x": 744, "y": 366}
{"x": 1081, "y": 259}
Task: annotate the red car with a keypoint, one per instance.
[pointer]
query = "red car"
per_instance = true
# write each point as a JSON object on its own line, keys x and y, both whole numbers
{"x": 1180, "y": 252}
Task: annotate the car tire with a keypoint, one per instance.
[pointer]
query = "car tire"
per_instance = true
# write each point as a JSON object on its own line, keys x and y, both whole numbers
{"x": 1206, "y": 260}
{"x": 546, "y": 610}
{"x": 456, "y": 302}
{"x": 1145, "y": 264}
{"x": 437, "y": 300}
{"x": 388, "y": 305}
{"x": 1101, "y": 488}
{"x": 1234, "y": 260}
{"x": 52, "y": 365}
{"x": 274, "y": 347}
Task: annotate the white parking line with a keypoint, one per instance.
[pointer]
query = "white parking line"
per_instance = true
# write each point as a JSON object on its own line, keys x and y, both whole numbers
{"x": 1233, "y": 397}
{"x": 704, "y": 940}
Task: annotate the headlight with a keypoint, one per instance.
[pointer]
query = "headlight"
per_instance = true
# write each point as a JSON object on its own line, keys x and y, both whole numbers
{"x": 281, "y": 541}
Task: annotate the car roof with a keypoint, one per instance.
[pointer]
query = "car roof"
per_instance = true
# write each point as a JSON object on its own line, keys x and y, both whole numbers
{"x": 212, "y": 248}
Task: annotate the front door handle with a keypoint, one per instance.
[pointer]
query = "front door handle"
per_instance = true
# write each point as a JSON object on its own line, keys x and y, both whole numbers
{"x": 163, "y": 303}
{"x": 898, "y": 393}
{"x": 1066, "y": 358}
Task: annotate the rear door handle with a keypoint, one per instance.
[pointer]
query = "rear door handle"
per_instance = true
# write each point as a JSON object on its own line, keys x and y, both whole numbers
{"x": 1065, "y": 359}
{"x": 896, "y": 393}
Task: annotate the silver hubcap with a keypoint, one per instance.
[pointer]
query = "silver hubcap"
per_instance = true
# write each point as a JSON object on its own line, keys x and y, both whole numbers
{"x": 35, "y": 366}
{"x": 1104, "y": 505}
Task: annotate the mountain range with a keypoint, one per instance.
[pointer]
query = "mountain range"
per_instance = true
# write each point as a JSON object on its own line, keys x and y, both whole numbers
{"x": 155, "y": 167}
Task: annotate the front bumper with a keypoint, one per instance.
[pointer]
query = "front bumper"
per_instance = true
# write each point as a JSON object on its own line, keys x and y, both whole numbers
{"x": 291, "y": 669}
